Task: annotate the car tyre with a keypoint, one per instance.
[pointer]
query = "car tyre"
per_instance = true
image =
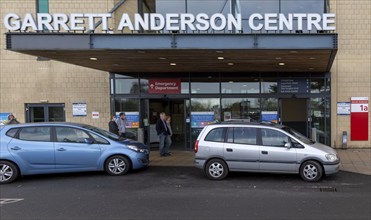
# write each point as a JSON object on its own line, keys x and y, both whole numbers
{"x": 216, "y": 169}
{"x": 311, "y": 171}
{"x": 8, "y": 172}
{"x": 117, "y": 165}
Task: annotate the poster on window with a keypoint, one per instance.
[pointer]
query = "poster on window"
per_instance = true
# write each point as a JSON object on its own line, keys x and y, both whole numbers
{"x": 270, "y": 116}
{"x": 201, "y": 119}
{"x": 79, "y": 109}
{"x": 132, "y": 119}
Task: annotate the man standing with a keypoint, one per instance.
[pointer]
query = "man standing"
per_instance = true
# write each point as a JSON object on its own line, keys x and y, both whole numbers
{"x": 121, "y": 123}
{"x": 12, "y": 120}
{"x": 162, "y": 132}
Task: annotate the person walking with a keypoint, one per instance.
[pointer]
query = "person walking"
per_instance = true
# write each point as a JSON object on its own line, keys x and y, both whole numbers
{"x": 121, "y": 123}
{"x": 162, "y": 132}
{"x": 12, "y": 120}
{"x": 168, "y": 137}
{"x": 112, "y": 126}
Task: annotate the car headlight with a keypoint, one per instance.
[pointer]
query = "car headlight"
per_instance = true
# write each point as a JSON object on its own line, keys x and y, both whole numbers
{"x": 136, "y": 149}
{"x": 331, "y": 157}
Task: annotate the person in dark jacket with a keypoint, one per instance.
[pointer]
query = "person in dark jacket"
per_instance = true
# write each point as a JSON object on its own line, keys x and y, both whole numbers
{"x": 163, "y": 131}
{"x": 12, "y": 120}
{"x": 112, "y": 125}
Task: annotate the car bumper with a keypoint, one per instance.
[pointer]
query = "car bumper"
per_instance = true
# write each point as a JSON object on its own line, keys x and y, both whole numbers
{"x": 141, "y": 161}
{"x": 331, "y": 169}
{"x": 198, "y": 163}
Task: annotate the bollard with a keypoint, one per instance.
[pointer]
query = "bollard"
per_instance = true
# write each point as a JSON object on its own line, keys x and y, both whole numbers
{"x": 345, "y": 140}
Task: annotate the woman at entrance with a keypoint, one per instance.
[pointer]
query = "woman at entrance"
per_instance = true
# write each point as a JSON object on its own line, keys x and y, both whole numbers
{"x": 168, "y": 138}
{"x": 162, "y": 132}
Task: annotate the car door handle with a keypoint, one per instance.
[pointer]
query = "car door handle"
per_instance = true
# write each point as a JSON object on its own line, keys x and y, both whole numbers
{"x": 229, "y": 150}
{"x": 264, "y": 152}
{"x": 61, "y": 149}
{"x": 15, "y": 148}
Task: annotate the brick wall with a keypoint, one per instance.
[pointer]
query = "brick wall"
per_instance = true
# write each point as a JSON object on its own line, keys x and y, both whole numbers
{"x": 351, "y": 71}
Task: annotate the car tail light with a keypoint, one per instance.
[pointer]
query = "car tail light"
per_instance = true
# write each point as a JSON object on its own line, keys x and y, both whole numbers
{"x": 196, "y": 146}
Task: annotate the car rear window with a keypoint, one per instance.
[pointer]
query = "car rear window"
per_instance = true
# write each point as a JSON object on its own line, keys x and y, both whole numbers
{"x": 242, "y": 135}
{"x": 12, "y": 132}
{"x": 41, "y": 133}
{"x": 215, "y": 135}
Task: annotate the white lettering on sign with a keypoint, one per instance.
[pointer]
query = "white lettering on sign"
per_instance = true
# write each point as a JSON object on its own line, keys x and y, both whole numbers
{"x": 170, "y": 22}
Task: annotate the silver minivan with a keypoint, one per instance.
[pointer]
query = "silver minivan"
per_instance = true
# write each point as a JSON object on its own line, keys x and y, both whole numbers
{"x": 261, "y": 147}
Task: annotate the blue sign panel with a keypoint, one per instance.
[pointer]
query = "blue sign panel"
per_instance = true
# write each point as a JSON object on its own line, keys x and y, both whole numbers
{"x": 301, "y": 85}
{"x": 132, "y": 119}
{"x": 201, "y": 119}
{"x": 270, "y": 116}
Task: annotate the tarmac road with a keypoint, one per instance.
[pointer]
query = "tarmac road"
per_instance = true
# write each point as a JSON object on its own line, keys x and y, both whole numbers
{"x": 185, "y": 193}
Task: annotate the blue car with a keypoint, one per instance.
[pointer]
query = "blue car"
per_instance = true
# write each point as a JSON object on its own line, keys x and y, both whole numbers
{"x": 42, "y": 148}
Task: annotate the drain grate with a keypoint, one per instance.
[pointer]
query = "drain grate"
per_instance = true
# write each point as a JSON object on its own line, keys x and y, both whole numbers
{"x": 327, "y": 189}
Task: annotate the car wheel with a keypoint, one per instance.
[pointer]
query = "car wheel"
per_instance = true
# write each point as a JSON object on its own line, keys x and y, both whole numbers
{"x": 8, "y": 172}
{"x": 311, "y": 171}
{"x": 117, "y": 165}
{"x": 216, "y": 169}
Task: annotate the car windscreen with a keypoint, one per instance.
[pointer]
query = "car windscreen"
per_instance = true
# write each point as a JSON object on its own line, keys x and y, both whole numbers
{"x": 102, "y": 132}
{"x": 298, "y": 135}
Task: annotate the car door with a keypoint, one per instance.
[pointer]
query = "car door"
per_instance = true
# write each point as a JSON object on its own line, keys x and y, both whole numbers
{"x": 273, "y": 155}
{"x": 241, "y": 150}
{"x": 33, "y": 149}
{"x": 72, "y": 152}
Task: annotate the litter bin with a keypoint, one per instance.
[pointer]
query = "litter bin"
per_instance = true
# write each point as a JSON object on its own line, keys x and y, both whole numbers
{"x": 344, "y": 140}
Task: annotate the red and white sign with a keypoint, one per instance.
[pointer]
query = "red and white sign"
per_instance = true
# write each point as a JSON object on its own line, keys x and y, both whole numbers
{"x": 359, "y": 119}
{"x": 164, "y": 86}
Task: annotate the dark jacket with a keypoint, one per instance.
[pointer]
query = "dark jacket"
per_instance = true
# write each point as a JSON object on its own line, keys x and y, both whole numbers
{"x": 160, "y": 128}
{"x": 13, "y": 121}
{"x": 113, "y": 128}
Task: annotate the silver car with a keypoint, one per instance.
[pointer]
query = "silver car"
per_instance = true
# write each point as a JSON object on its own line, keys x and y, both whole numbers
{"x": 261, "y": 147}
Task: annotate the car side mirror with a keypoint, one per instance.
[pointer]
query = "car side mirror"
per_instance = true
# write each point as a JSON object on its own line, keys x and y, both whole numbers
{"x": 88, "y": 140}
{"x": 288, "y": 145}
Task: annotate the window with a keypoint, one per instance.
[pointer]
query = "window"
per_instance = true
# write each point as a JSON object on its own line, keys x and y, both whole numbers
{"x": 274, "y": 138}
{"x": 71, "y": 135}
{"x": 42, "y": 6}
{"x": 35, "y": 134}
{"x": 216, "y": 135}
{"x": 242, "y": 135}
{"x": 98, "y": 139}
{"x": 12, "y": 132}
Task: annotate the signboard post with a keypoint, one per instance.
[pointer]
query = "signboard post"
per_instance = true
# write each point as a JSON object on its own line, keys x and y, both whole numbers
{"x": 359, "y": 119}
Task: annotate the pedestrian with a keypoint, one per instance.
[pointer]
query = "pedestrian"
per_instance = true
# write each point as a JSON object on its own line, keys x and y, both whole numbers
{"x": 168, "y": 138}
{"x": 121, "y": 123}
{"x": 12, "y": 120}
{"x": 162, "y": 132}
{"x": 112, "y": 126}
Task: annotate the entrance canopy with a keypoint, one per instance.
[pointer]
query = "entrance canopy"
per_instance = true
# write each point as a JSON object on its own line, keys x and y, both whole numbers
{"x": 182, "y": 52}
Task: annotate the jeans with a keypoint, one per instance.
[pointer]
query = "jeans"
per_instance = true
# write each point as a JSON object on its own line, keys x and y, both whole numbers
{"x": 164, "y": 144}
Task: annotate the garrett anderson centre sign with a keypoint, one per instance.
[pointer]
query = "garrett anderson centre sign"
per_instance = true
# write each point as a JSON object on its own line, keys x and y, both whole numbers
{"x": 170, "y": 22}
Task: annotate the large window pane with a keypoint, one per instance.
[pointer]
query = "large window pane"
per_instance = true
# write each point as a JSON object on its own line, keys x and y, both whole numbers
{"x": 302, "y": 6}
{"x": 240, "y": 84}
{"x": 70, "y": 135}
{"x": 207, "y": 83}
{"x": 127, "y": 86}
{"x": 241, "y": 108}
{"x": 317, "y": 85}
{"x": 269, "y": 85}
{"x": 209, "y": 7}
{"x": 244, "y": 135}
{"x": 248, "y": 7}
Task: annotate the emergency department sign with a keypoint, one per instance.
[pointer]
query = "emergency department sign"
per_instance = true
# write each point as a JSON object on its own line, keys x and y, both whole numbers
{"x": 164, "y": 86}
{"x": 359, "y": 119}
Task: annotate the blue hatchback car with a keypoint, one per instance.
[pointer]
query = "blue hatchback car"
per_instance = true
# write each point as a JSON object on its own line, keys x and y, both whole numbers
{"x": 40, "y": 148}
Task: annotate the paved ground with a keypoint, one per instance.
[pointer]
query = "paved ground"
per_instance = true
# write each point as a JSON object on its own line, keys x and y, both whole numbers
{"x": 352, "y": 160}
{"x": 185, "y": 193}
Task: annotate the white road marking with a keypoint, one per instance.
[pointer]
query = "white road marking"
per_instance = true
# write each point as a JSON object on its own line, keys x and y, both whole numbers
{"x": 5, "y": 201}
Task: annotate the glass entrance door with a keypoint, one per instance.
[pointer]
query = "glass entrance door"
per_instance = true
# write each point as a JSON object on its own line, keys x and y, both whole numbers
{"x": 45, "y": 113}
{"x": 177, "y": 110}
